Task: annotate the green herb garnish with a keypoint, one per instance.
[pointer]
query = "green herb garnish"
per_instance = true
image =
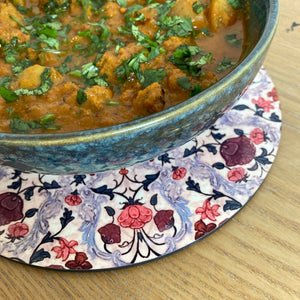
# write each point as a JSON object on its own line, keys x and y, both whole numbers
{"x": 18, "y": 125}
{"x": 184, "y": 82}
{"x": 155, "y": 75}
{"x": 183, "y": 59}
{"x": 225, "y": 64}
{"x": 81, "y": 96}
{"x": 199, "y": 7}
{"x": 196, "y": 89}
{"x": 234, "y": 3}
{"x": 233, "y": 40}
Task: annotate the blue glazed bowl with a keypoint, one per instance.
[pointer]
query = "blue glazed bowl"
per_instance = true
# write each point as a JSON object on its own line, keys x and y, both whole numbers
{"x": 129, "y": 143}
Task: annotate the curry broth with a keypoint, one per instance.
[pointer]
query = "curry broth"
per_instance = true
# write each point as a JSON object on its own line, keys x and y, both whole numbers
{"x": 65, "y": 67}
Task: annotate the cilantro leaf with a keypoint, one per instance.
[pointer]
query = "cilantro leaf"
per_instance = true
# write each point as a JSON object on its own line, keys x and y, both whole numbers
{"x": 18, "y": 125}
{"x": 5, "y": 81}
{"x": 199, "y": 7}
{"x": 183, "y": 55}
{"x": 90, "y": 75}
{"x": 20, "y": 65}
{"x": 8, "y": 95}
{"x": 46, "y": 84}
{"x": 164, "y": 8}
{"x": 56, "y": 8}
{"x": 184, "y": 82}
{"x": 132, "y": 65}
{"x": 155, "y": 75}
{"x": 233, "y": 40}
{"x": 196, "y": 89}
{"x": 225, "y": 64}
{"x": 64, "y": 68}
{"x": 12, "y": 49}
{"x": 177, "y": 26}
{"x": 122, "y": 3}
{"x": 81, "y": 96}
{"x": 146, "y": 42}
{"x": 234, "y": 3}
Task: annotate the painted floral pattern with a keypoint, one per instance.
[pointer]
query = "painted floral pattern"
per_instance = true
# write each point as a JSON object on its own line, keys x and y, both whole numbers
{"x": 142, "y": 212}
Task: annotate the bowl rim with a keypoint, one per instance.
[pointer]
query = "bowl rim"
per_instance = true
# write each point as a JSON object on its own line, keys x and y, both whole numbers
{"x": 104, "y": 133}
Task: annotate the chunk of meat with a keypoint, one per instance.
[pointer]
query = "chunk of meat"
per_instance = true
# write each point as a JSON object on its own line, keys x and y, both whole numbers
{"x": 97, "y": 96}
{"x": 184, "y": 8}
{"x": 150, "y": 100}
{"x": 8, "y": 27}
{"x": 30, "y": 78}
{"x": 110, "y": 61}
{"x": 115, "y": 17}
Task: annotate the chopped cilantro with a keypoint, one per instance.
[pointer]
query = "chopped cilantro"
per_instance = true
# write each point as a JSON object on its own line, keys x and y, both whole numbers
{"x": 22, "y": 9}
{"x": 56, "y": 8}
{"x": 196, "y": 89}
{"x": 225, "y": 64}
{"x": 183, "y": 55}
{"x": 46, "y": 84}
{"x": 90, "y": 75}
{"x": 5, "y": 81}
{"x": 112, "y": 103}
{"x": 155, "y": 75}
{"x": 177, "y": 26}
{"x": 18, "y": 125}
{"x": 130, "y": 15}
{"x": 81, "y": 96}
{"x": 146, "y": 42}
{"x": 199, "y": 7}
{"x": 184, "y": 82}
{"x": 233, "y": 40}
{"x": 122, "y": 3}
{"x": 164, "y": 8}
{"x": 132, "y": 65}
{"x": 64, "y": 68}
{"x": 119, "y": 45}
{"x": 8, "y": 95}
{"x": 12, "y": 49}
{"x": 234, "y": 3}
{"x": 205, "y": 31}
{"x": 20, "y": 65}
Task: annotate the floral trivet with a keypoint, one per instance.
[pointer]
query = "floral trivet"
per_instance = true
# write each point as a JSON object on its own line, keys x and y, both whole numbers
{"x": 143, "y": 212}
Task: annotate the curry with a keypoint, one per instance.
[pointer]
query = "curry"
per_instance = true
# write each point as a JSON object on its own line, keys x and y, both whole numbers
{"x": 72, "y": 65}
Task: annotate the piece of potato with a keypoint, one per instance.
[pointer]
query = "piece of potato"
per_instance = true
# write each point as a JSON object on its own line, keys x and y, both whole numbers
{"x": 221, "y": 13}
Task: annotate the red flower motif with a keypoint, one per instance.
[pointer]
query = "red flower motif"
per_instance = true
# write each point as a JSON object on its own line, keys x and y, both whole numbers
{"x": 264, "y": 104}
{"x": 18, "y": 229}
{"x": 257, "y": 136}
{"x": 273, "y": 94}
{"x": 11, "y": 208}
{"x": 202, "y": 229}
{"x": 179, "y": 173}
{"x": 65, "y": 249}
{"x": 123, "y": 171}
{"x": 110, "y": 234}
{"x": 79, "y": 263}
{"x": 164, "y": 220}
{"x": 237, "y": 151}
{"x": 56, "y": 267}
{"x": 73, "y": 200}
{"x": 236, "y": 174}
{"x": 135, "y": 216}
{"x": 208, "y": 211}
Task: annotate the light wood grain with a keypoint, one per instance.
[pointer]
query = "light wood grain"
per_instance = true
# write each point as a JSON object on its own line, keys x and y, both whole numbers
{"x": 254, "y": 256}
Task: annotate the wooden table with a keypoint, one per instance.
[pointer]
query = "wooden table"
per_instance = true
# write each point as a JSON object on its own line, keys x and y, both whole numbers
{"x": 254, "y": 256}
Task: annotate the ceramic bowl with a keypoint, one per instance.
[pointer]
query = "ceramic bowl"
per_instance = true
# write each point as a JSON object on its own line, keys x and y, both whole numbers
{"x": 129, "y": 143}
